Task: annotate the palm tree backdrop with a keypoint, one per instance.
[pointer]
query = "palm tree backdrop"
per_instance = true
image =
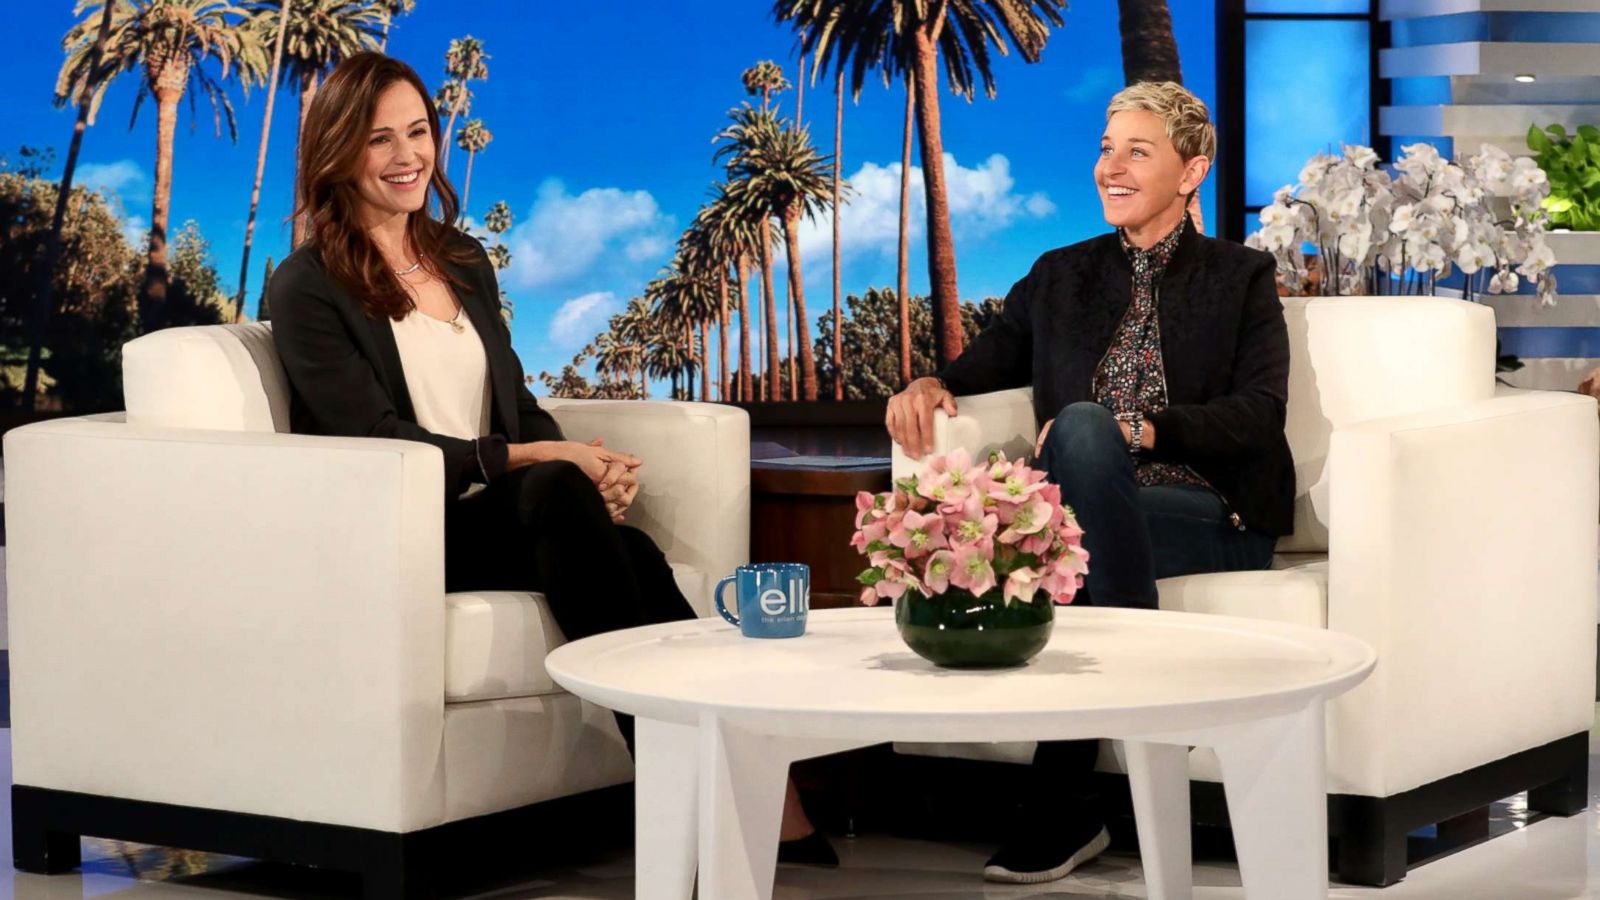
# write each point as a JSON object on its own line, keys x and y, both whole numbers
{"x": 764, "y": 79}
{"x": 263, "y": 13}
{"x": 735, "y": 234}
{"x": 172, "y": 42}
{"x": 1149, "y": 51}
{"x": 473, "y": 138}
{"x": 321, "y": 34}
{"x": 703, "y": 255}
{"x": 465, "y": 61}
{"x": 392, "y": 8}
{"x": 44, "y": 303}
{"x": 838, "y": 163}
{"x": 791, "y": 180}
{"x": 860, "y": 35}
{"x": 498, "y": 221}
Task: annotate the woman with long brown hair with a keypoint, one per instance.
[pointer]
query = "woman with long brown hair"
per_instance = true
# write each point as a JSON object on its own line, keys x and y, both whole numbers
{"x": 388, "y": 324}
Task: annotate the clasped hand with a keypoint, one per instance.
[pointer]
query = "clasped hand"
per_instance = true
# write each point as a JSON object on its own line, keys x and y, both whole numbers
{"x": 614, "y": 473}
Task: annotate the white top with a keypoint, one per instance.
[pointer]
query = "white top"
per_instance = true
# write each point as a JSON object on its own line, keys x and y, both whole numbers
{"x": 1105, "y": 673}
{"x": 447, "y": 375}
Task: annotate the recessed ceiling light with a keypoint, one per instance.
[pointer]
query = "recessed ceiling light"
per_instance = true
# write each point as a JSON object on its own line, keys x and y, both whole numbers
{"x": 1524, "y": 78}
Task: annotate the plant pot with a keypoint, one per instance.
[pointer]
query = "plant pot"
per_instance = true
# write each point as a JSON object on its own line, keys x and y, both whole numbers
{"x": 960, "y": 630}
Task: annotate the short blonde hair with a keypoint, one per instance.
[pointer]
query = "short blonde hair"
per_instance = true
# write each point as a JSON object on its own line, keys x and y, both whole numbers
{"x": 1185, "y": 115}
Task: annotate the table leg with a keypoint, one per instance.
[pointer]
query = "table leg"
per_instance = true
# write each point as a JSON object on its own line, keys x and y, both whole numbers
{"x": 1158, "y": 775}
{"x": 1274, "y": 772}
{"x": 742, "y": 778}
{"x": 666, "y": 799}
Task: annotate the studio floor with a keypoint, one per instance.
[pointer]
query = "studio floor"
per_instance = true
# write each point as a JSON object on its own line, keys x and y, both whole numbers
{"x": 1537, "y": 859}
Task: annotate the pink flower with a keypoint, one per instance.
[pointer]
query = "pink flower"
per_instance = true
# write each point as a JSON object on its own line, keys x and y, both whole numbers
{"x": 973, "y": 525}
{"x": 934, "y": 485}
{"x": 919, "y": 534}
{"x": 1016, "y": 484}
{"x": 937, "y": 573}
{"x": 869, "y": 596}
{"x": 972, "y": 571}
{"x": 889, "y": 590}
{"x": 1021, "y": 584}
{"x": 869, "y": 533}
{"x": 1038, "y": 543}
{"x": 1031, "y": 516}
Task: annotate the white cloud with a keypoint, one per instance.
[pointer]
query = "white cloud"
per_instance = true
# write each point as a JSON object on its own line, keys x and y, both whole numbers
{"x": 581, "y": 318}
{"x": 123, "y": 178}
{"x": 982, "y": 200}
{"x": 565, "y": 236}
{"x": 136, "y": 231}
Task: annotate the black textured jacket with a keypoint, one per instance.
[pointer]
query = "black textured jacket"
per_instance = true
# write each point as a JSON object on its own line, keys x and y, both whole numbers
{"x": 345, "y": 376}
{"x": 1224, "y": 345}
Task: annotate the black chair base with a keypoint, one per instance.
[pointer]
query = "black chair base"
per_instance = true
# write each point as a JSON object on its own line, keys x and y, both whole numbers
{"x": 446, "y": 860}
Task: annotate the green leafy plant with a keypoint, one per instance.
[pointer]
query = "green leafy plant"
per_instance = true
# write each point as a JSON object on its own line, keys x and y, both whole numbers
{"x": 1572, "y": 163}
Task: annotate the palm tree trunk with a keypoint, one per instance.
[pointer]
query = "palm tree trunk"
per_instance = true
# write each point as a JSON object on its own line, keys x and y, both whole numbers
{"x": 688, "y": 360}
{"x": 1149, "y": 51}
{"x": 788, "y": 323}
{"x": 797, "y": 292}
{"x": 774, "y": 387}
{"x": 722, "y": 334}
{"x": 302, "y": 222}
{"x": 383, "y": 44}
{"x": 838, "y": 162}
{"x": 947, "y": 334}
{"x": 800, "y": 88}
{"x": 746, "y": 374}
{"x": 449, "y": 129}
{"x": 466, "y": 187}
{"x": 903, "y": 281}
{"x": 152, "y": 315}
{"x": 705, "y": 364}
{"x": 261, "y": 158}
{"x": 44, "y": 299}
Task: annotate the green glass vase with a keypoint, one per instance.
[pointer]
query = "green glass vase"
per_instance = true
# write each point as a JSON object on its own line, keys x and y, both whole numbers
{"x": 961, "y": 630}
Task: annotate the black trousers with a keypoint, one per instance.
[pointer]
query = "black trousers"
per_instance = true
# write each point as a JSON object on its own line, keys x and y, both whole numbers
{"x": 544, "y": 528}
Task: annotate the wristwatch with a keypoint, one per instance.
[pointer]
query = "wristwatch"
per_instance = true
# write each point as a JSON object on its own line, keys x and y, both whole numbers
{"x": 1135, "y": 430}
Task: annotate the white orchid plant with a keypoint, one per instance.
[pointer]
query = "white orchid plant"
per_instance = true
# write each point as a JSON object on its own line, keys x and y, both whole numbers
{"x": 1402, "y": 233}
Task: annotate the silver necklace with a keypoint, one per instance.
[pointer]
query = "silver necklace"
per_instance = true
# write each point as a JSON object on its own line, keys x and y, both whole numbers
{"x": 409, "y": 269}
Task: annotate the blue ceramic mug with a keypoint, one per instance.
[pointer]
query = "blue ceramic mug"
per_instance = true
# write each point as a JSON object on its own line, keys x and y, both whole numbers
{"x": 773, "y": 599}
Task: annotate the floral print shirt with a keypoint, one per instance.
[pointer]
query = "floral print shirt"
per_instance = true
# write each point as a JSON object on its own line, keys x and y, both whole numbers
{"x": 1131, "y": 379}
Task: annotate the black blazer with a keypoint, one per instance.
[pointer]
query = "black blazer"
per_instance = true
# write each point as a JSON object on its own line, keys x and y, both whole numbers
{"x": 345, "y": 376}
{"x": 1224, "y": 347}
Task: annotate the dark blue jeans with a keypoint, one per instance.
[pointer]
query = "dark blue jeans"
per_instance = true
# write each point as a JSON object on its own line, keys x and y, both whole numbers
{"x": 1134, "y": 536}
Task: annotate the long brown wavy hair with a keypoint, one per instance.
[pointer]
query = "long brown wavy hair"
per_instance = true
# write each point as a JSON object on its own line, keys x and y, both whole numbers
{"x": 333, "y": 146}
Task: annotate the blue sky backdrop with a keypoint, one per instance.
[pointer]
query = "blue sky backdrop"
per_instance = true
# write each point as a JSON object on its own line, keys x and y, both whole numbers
{"x": 603, "y": 115}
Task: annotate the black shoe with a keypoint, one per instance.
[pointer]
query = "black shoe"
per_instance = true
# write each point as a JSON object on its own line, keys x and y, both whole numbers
{"x": 1037, "y": 855}
{"x": 811, "y": 850}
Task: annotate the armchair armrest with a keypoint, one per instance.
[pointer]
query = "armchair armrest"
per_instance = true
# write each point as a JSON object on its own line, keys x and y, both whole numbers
{"x": 694, "y": 494}
{"x": 249, "y": 621}
{"x": 1460, "y": 537}
{"x": 1001, "y": 420}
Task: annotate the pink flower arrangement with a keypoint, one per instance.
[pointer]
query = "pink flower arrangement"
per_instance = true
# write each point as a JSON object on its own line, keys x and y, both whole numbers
{"x": 973, "y": 527}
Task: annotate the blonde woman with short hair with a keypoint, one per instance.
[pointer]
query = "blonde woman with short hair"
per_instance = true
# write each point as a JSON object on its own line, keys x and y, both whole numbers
{"x": 1159, "y": 362}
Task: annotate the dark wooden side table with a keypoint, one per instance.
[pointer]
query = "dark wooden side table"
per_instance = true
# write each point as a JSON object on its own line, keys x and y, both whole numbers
{"x": 807, "y": 514}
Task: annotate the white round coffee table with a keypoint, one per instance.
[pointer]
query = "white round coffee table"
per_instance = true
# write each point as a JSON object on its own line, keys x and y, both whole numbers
{"x": 720, "y": 717}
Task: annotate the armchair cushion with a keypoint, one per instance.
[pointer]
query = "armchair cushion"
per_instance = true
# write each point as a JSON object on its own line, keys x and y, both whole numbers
{"x": 1297, "y": 595}
{"x": 225, "y": 377}
{"x": 496, "y": 641}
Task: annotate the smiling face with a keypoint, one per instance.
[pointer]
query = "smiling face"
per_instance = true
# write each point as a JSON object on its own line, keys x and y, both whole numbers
{"x": 1144, "y": 183}
{"x": 394, "y": 174}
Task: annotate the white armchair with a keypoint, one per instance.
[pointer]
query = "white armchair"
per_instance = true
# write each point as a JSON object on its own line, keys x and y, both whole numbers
{"x": 1449, "y": 523}
{"x": 279, "y": 599}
